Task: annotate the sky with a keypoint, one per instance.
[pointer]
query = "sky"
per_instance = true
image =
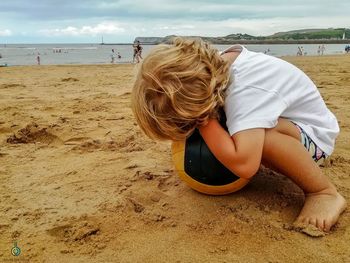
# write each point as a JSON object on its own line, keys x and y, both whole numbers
{"x": 120, "y": 21}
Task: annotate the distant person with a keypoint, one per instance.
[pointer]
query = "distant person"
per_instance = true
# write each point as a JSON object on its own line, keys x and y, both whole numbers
{"x": 282, "y": 124}
{"x": 323, "y": 48}
{"x": 347, "y": 49}
{"x": 112, "y": 56}
{"x": 38, "y": 58}
{"x": 135, "y": 55}
{"x": 0, "y": 56}
{"x": 119, "y": 56}
{"x": 300, "y": 51}
{"x": 139, "y": 49}
{"x": 319, "y": 50}
{"x": 267, "y": 51}
{"x": 137, "y": 52}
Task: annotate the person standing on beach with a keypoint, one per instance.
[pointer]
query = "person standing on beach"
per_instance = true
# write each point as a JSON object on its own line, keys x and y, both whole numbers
{"x": 323, "y": 48}
{"x": 319, "y": 50}
{"x": 135, "y": 56}
{"x": 347, "y": 49}
{"x": 300, "y": 51}
{"x": 38, "y": 58}
{"x": 137, "y": 51}
{"x": 112, "y": 56}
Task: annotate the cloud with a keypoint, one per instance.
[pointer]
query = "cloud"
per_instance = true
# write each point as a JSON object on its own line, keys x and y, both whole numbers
{"x": 5, "y": 33}
{"x": 108, "y": 28}
{"x": 48, "y": 10}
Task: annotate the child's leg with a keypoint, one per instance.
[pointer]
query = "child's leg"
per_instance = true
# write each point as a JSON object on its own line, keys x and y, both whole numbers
{"x": 284, "y": 152}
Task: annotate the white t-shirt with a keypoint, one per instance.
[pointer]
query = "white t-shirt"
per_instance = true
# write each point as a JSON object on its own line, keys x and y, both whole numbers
{"x": 264, "y": 88}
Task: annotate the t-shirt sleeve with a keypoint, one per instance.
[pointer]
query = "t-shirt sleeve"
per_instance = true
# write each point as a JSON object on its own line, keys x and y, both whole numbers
{"x": 251, "y": 107}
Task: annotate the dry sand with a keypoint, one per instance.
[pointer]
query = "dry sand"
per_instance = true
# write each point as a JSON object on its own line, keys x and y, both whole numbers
{"x": 80, "y": 182}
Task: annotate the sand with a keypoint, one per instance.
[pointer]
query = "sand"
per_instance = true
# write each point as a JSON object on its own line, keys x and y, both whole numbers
{"x": 79, "y": 182}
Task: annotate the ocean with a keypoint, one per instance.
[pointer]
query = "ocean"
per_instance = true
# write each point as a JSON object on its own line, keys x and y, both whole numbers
{"x": 61, "y": 54}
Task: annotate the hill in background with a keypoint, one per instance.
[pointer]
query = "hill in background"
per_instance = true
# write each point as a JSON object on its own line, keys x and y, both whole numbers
{"x": 330, "y": 35}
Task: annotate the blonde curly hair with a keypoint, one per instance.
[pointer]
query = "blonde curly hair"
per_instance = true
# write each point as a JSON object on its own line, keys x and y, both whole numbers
{"x": 178, "y": 88}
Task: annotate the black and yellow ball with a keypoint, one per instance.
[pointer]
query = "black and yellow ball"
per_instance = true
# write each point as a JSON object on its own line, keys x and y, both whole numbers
{"x": 198, "y": 167}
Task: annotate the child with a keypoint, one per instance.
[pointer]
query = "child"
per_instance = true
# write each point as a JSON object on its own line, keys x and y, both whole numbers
{"x": 275, "y": 115}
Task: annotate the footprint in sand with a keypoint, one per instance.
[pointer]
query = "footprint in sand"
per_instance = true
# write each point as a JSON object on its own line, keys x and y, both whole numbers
{"x": 69, "y": 79}
{"x": 6, "y": 86}
{"x": 85, "y": 144}
{"x": 77, "y": 231}
{"x": 166, "y": 180}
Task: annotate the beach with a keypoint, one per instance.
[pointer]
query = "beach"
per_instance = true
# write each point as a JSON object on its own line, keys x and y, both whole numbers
{"x": 79, "y": 182}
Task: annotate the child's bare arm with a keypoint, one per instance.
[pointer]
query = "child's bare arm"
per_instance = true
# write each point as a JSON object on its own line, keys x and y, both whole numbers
{"x": 240, "y": 153}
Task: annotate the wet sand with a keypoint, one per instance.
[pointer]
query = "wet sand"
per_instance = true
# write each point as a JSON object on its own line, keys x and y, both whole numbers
{"x": 79, "y": 182}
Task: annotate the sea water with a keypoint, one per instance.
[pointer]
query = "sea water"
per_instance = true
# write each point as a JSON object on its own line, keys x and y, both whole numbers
{"x": 61, "y": 54}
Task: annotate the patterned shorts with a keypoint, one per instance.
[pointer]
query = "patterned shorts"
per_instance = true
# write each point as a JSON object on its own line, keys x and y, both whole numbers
{"x": 316, "y": 153}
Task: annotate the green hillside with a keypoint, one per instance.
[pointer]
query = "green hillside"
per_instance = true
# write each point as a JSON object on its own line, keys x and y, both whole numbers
{"x": 312, "y": 34}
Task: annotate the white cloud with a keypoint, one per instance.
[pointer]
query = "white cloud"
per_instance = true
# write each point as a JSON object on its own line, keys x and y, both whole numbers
{"x": 5, "y": 33}
{"x": 108, "y": 28}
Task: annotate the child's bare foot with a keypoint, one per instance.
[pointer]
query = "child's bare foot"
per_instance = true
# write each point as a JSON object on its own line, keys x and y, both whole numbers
{"x": 322, "y": 209}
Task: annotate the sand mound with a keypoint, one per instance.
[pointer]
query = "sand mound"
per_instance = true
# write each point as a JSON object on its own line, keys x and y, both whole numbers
{"x": 33, "y": 133}
{"x": 69, "y": 79}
